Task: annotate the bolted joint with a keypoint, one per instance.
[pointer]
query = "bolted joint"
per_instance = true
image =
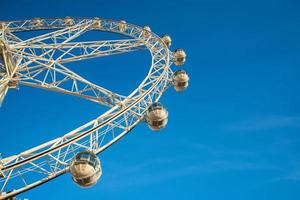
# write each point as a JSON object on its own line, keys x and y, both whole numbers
{"x": 12, "y": 83}
{"x": 2, "y": 25}
{"x": 2, "y": 175}
{"x": 5, "y": 55}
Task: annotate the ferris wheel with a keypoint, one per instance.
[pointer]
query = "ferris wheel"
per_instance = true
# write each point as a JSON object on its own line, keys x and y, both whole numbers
{"x": 41, "y": 62}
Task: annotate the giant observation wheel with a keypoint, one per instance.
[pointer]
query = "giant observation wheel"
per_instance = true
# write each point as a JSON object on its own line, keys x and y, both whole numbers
{"x": 41, "y": 62}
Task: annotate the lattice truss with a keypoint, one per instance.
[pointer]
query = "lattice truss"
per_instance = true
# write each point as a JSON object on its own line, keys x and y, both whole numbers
{"x": 41, "y": 62}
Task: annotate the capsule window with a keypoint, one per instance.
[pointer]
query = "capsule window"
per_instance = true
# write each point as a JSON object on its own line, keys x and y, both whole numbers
{"x": 156, "y": 106}
{"x": 84, "y": 181}
{"x": 182, "y": 84}
{"x": 93, "y": 161}
{"x": 82, "y": 157}
{"x": 158, "y": 123}
{"x": 180, "y": 59}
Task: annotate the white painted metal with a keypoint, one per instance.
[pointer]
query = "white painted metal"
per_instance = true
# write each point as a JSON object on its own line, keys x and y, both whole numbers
{"x": 40, "y": 62}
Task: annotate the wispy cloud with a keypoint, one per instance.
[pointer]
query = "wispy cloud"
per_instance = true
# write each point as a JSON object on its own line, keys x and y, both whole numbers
{"x": 291, "y": 172}
{"x": 138, "y": 177}
{"x": 293, "y": 176}
{"x": 168, "y": 168}
{"x": 265, "y": 123}
{"x": 221, "y": 151}
{"x": 199, "y": 158}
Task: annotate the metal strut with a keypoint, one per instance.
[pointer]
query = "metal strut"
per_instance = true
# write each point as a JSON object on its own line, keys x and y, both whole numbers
{"x": 40, "y": 63}
{"x": 8, "y": 77}
{"x": 2, "y": 175}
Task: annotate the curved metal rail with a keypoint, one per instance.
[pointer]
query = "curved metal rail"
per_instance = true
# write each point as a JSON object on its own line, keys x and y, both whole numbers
{"x": 39, "y": 63}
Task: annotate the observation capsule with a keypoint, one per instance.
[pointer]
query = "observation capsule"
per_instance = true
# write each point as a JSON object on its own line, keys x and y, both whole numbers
{"x": 96, "y": 22}
{"x": 157, "y": 116}
{"x": 179, "y": 57}
{"x": 68, "y": 21}
{"x": 146, "y": 31}
{"x": 2, "y": 25}
{"x": 13, "y": 82}
{"x": 167, "y": 40}
{"x": 37, "y": 22}
{"x": 2, "y": 175}
{"x": 180, "y": 80}
{"x": 122, "y": 25}
{"x": 85, "y": 168}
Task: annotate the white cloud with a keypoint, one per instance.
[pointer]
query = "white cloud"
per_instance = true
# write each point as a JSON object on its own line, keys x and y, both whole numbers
{"x": 265, "y": 123}
{"x": 129, "y": 175}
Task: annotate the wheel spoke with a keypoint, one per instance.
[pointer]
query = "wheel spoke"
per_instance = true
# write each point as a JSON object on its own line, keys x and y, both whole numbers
{"x": 3, "y": 89}
{"x": 58, "y": 78}
{"x": 61, "y": 36}
{"x": 41, "y": 67}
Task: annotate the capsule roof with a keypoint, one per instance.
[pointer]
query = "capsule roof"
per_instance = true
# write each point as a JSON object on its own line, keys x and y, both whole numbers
{"x": 179, "y": 49}
{"x": 179, "y": 72}
{"x": 156, "y": 105}
{"x": 147, "y": 28}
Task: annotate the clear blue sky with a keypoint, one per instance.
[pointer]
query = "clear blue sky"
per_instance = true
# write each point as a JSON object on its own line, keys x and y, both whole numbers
{"x": 233, "y": 135}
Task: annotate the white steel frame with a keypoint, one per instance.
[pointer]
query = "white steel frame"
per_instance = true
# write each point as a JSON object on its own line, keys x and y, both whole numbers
{"x": 40, "y": 62}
